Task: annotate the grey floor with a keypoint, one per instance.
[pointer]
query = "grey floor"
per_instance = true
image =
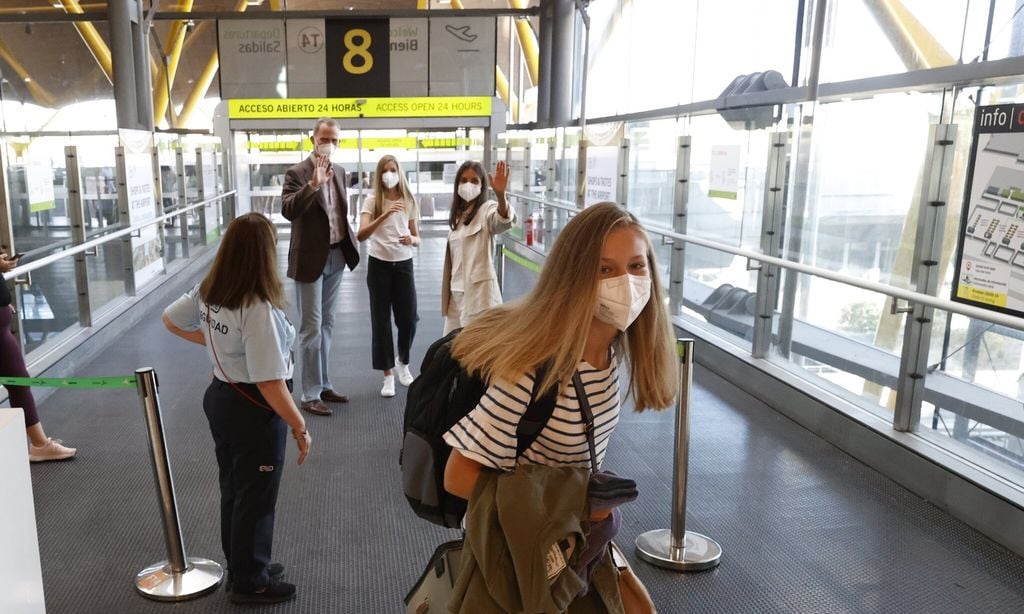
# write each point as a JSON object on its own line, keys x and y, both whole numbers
{"x": 804, "y": 527}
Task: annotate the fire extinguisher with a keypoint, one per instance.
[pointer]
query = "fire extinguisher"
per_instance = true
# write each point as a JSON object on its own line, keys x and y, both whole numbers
{"x": 528, "y": 230}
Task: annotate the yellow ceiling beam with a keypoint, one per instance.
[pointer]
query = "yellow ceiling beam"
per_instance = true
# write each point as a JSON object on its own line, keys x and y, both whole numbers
{"x": 172, "y": 51}
{"x": 92, "y": 39}
{"x": 202, "y": 84}
{"x": 24, "y": 10}
{"x": 511, "y": 101}
{"x": 913, "y": 43}
{"x": 527, "y": 41}
{"x": 38, "y": 92}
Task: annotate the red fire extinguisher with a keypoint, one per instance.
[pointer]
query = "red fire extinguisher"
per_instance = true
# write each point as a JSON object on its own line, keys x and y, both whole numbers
{"x": 528, "y": 230}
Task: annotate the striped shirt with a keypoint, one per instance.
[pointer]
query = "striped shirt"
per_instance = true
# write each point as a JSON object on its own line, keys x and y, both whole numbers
{"x": 487, "y": 434}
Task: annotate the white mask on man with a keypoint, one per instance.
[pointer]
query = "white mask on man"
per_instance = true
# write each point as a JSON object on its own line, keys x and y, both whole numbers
{"x": 469, "y": 191}
{"x": 389, "y": 179}
{"x": 621, "y": 299}
{"x": 325, "y": 149}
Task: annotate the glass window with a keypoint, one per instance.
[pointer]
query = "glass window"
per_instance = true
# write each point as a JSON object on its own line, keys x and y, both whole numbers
{"x": 865, "y": 39}
{"x": 653, "y": 149}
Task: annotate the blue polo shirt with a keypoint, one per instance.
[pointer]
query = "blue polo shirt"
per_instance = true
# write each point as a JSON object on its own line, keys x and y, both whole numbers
{"x": 252, "y": 343}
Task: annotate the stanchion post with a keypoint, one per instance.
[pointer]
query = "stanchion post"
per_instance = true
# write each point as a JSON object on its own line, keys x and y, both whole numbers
{"x": 677, "y": 548}
{"x": 178, "y": 578}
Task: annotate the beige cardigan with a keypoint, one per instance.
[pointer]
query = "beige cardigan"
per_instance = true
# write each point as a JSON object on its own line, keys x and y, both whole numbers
{"x": 481, "y": 288}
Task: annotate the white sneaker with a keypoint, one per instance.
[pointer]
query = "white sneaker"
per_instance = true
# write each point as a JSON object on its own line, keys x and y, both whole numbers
{"x": 404, "y": 377}
{"x": 50, "y": 451}
{"x": 388, "y": 390}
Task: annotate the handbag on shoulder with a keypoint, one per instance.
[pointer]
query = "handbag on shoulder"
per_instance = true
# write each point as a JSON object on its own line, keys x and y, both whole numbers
{"x": 635, "y": 598}
{"x": 431, "y": 592}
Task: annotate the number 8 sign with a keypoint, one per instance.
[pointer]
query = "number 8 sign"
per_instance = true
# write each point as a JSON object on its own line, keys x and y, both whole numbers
{"x": 358, "y": 54}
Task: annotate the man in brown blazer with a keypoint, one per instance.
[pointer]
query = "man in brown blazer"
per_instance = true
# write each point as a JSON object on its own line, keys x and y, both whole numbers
{"x": 315, "y": 201}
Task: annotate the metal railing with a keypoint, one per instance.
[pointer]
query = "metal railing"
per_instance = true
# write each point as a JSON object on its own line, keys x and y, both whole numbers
{"x": 89, "y": 245}
{"x": 908, "y": 408}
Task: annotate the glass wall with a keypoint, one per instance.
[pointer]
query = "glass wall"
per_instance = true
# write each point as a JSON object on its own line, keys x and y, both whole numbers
{"x": 854, "y": 175}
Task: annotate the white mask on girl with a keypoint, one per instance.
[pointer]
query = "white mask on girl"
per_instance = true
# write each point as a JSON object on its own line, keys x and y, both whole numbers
{"x": 469, "y": 191}
{"x": 621, "y": 299}
{"x": 389, "y": 178}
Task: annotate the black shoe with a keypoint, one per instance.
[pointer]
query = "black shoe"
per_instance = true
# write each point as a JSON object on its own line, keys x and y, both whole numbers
{"x": 275, "y": 592}
{"x": 274, "y": 570}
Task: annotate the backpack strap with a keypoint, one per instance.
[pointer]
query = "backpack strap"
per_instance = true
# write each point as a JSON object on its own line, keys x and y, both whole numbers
{"x": 537, "y": 414}
{"x": 588, "y": 418}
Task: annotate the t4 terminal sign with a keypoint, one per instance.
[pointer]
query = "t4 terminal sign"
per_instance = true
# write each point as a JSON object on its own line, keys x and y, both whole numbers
{"x": 358, "y": 57}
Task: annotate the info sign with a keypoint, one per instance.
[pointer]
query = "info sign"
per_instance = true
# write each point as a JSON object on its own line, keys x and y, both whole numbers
{"x": 990, "y": 255}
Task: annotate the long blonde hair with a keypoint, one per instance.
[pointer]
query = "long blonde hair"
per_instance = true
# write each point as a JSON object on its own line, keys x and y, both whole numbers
{"x": 550, "y": 324}
{"x": 411, "y": 211}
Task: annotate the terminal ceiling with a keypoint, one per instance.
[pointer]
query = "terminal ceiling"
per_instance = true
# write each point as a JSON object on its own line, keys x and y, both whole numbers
{"x": 50, "y": 63}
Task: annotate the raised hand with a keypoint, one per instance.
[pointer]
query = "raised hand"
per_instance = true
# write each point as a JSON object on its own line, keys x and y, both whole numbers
{"x": 499, "y": 180}
{"x": 323, "y": 171}
{"x": 394, "y": 208}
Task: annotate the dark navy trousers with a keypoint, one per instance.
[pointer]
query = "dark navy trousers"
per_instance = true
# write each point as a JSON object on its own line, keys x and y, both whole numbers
{"x": 250, "y": 444}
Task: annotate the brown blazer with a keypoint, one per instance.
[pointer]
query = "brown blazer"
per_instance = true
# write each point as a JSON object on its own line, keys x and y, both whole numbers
{"x": 311, "y": 233}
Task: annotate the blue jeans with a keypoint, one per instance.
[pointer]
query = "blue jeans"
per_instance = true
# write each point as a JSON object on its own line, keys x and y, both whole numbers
{"x": 316, "y": 302}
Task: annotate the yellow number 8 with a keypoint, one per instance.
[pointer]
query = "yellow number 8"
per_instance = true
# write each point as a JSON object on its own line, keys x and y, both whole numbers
{"x": 362, "y": 50}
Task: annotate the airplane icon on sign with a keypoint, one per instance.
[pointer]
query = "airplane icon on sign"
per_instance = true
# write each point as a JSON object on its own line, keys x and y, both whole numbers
{"x": 461, "y": 33}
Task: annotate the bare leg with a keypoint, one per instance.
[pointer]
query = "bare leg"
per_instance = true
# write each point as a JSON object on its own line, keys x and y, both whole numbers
{"x": 36, "y": 434}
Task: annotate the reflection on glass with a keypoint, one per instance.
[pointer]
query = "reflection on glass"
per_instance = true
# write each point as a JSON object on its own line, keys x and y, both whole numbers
{"x": 973, "y": 392}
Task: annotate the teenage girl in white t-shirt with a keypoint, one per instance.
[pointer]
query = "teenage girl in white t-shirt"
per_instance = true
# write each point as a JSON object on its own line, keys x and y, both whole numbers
{"x": 388, "y": 219}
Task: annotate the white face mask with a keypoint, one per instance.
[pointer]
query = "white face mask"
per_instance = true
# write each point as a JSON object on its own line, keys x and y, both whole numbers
{"x": 325, "y": 150}
{"x": 389, "y": 179}
{"x": 469, "y": 191}
{"x": 621, "y": 299}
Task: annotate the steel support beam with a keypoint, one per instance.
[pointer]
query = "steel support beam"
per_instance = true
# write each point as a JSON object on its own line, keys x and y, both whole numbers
{"x": 925, "y": 276}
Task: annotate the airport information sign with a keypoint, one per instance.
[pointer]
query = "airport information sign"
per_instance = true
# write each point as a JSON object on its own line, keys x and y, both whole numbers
{"x": 990, "y": 255}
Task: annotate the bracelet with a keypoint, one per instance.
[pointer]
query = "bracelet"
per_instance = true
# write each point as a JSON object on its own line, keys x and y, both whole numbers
{"x": 298, "y": 435}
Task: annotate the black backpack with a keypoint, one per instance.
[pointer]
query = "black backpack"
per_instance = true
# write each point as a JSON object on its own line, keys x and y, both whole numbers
{"x": 442, "y": 394}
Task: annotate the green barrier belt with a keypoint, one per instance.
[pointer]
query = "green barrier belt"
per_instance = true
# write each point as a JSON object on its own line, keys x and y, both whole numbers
{"x": 117, "y": 381}
{"x": 523, "y": 262}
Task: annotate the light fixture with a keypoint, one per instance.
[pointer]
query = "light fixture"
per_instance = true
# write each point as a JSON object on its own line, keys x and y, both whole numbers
{"x": 253, "y": 2}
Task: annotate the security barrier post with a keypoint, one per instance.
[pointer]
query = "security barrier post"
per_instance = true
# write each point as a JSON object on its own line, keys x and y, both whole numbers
{"x": 178, "y": 578}
{"x": 677, "y": 548}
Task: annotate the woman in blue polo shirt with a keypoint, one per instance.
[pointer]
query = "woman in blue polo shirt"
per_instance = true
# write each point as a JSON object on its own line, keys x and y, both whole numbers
{"x": 236, "y": 312}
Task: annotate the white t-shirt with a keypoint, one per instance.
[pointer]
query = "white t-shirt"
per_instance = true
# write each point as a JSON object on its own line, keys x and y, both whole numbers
{"x": 384, "y": 243}
{"x": 487, "y": 434}
{"x": 253, "y": 343}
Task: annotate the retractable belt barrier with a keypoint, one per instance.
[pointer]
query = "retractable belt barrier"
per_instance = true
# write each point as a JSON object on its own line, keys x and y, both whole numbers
{"x": 677, "y": 548}
{"x": 116, "y": 381}
{"x": 179, "y": 577}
